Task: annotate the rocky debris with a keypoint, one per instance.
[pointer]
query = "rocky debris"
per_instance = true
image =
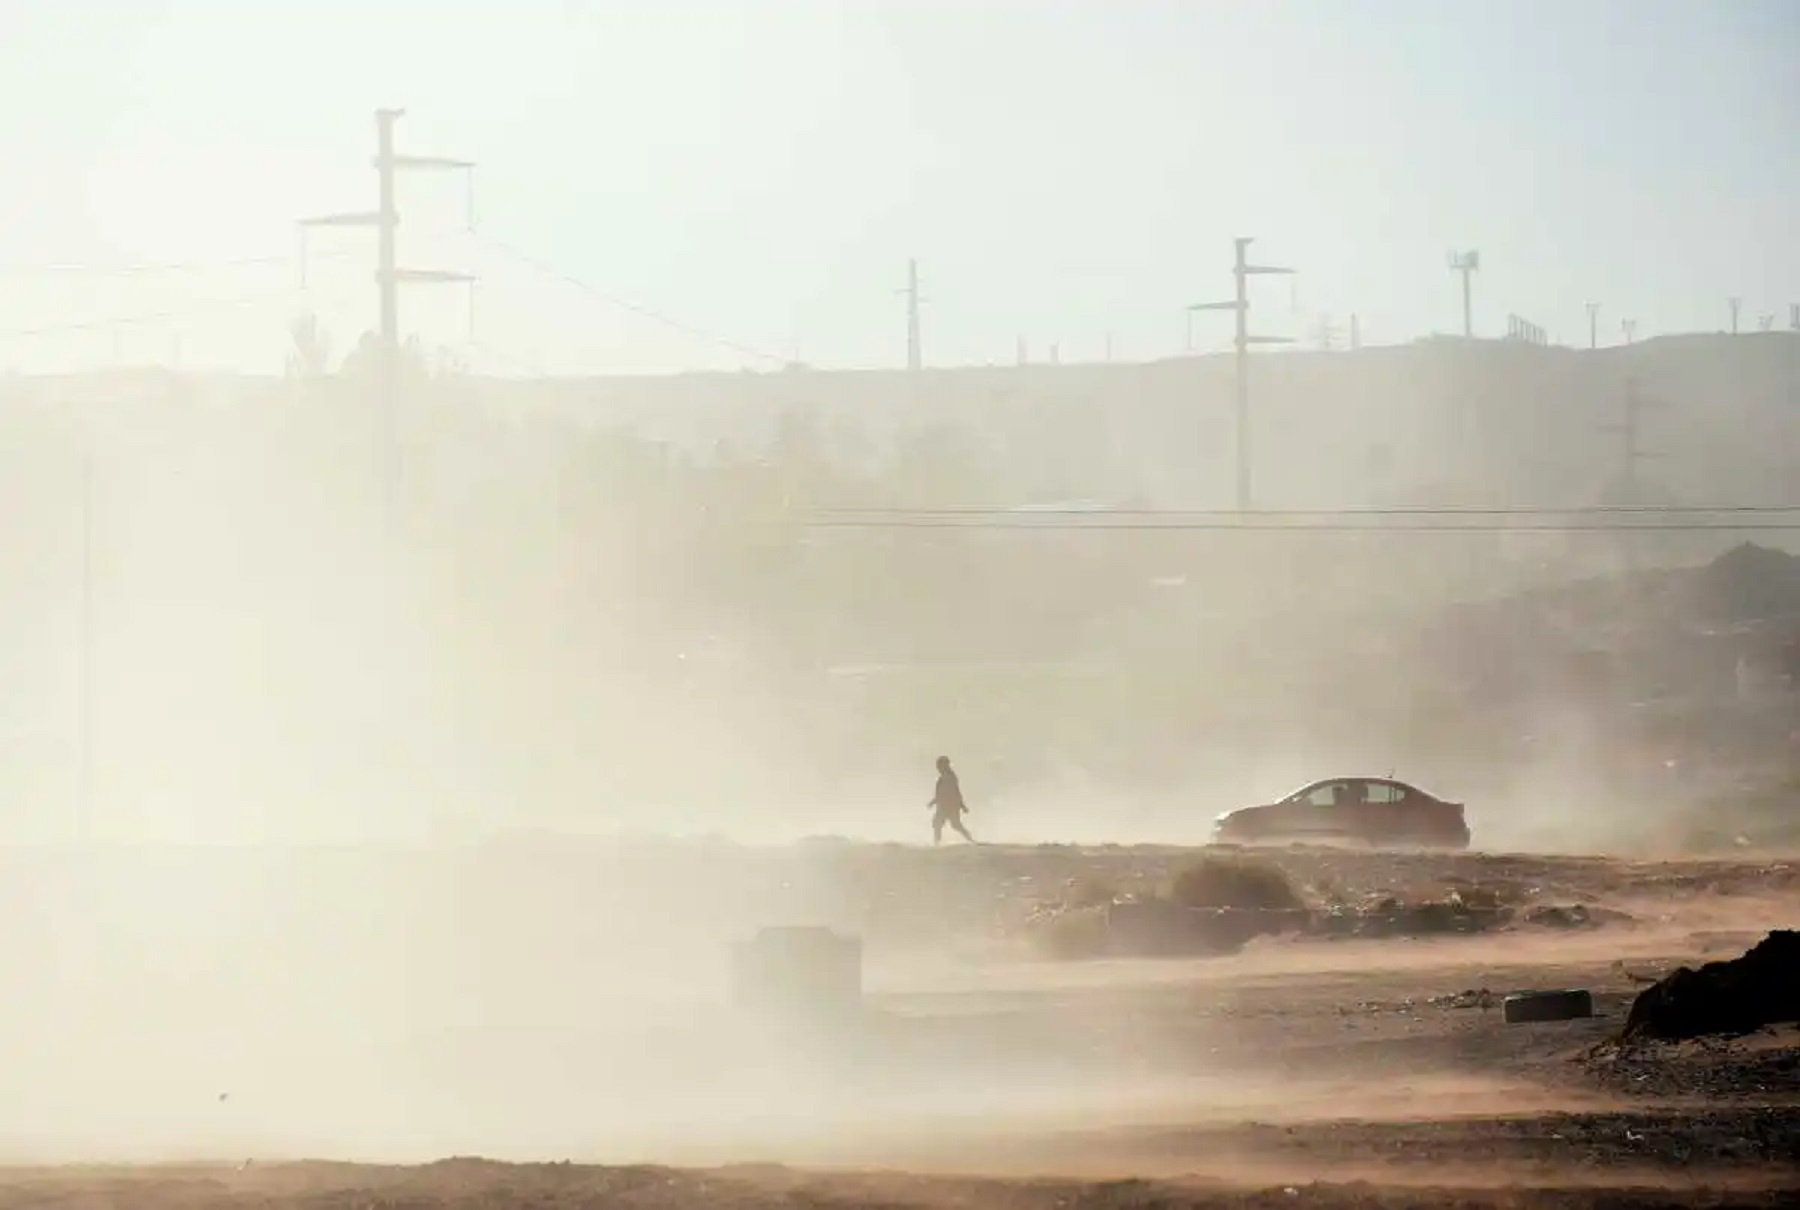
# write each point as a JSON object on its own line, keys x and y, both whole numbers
{"x": 1726, "y": 1068}
{"x": 1475, "y": 997}
{"x": 1389, "y": 917}
{"x": 1152, "y": 926}
{"x": 1579, "y": 916}
{"x": 1161, "y": 927}
{"x": 1735, "y": 996}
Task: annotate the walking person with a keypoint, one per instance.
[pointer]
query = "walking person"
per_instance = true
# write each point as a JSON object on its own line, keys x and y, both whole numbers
{"x": 947, "y": 804}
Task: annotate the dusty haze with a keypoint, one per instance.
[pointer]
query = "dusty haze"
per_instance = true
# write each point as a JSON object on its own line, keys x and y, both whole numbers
{"x": 388, "y": 760}
{"x": 586, "y": 613}
{"x": 333, "y": 755}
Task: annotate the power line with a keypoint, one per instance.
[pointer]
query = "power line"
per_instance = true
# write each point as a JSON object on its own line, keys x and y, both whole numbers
{"x": 148, "y": 316}
{"x": 622, "y": 304}
{"x": 1525, "y": 510}
{"x": 1396, "y": 519}
{"x": 1227, "y": 526}
{"x": 60, "y": 269}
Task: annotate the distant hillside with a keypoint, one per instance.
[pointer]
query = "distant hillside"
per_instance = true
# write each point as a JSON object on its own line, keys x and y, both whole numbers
{"x": 1439, "y": 421}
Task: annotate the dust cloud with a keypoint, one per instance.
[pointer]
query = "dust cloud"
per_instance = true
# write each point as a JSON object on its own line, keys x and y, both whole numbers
{"x": 339, "y": 822}
{"x": 248, "y": 624}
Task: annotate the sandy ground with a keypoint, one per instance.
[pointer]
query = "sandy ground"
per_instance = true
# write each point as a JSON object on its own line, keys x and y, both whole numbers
{"x": 1354, "y": 1073}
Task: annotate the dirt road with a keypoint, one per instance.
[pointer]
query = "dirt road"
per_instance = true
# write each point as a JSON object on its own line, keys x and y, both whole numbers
{"x": 1352, "y": 1073}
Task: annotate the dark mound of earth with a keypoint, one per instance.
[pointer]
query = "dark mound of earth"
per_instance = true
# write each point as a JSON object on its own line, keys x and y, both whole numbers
{"x": 1731, "y": 997}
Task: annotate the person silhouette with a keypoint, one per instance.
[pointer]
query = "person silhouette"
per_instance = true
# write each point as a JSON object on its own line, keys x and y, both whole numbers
{"x": 947, "y": 804}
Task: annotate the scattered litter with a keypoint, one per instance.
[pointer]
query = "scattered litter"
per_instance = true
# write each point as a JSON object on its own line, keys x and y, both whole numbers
{"x": 1523, "y": 1008}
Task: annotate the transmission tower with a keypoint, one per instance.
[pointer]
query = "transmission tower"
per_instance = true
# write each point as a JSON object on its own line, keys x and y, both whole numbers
{"x": 1243, "y": 271}
{"x": 1632, "y": 453}
{"x": 1465, "y": 265}
{"x": 1735, "y": 304}
{"x": 915, "y": 357}
{"x": 389, "y": 276}
{"x": 1593, "y": 310}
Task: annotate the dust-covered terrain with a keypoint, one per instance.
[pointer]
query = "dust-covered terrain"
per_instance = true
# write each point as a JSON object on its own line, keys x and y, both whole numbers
{"x": 470, "y": 745}
{"x": 577, "y": 1010}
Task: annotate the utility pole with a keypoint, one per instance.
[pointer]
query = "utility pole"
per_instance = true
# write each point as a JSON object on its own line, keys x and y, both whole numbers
{"x": 389, "y": 276}
{"x": 915, "y": 358}
{"x": 1593, "y": 310}
{"x": 1794, "y": 316}
{"x": 1735, "y": 304}
{"x": 1243, "y": 271}
{"x": 1629, "y": 327}
{"x": 1466, "y": 264}
{"x": 1632, "y": 453}
{"x": 1355, "y": 333}
{"x": 84, "y": 719}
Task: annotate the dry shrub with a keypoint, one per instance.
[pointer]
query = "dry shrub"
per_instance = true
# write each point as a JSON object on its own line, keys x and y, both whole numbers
{"x": 1073, "y": 934}
{"x": 1220, "y": 881}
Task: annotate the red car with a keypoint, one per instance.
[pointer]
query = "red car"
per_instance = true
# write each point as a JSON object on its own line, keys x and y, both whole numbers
{"x": 1375, "y": 811}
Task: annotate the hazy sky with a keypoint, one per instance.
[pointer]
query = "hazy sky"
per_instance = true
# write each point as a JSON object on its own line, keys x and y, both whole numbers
{"x": 762, "y": 169}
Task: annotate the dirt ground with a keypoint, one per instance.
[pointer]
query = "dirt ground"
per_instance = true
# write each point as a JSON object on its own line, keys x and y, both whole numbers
{"x": 1299, "y": 1072}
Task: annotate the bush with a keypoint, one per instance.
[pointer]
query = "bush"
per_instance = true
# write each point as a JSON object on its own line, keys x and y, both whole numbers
{"x": 1234, "y": 882}
{"x": 1071, "y": 935}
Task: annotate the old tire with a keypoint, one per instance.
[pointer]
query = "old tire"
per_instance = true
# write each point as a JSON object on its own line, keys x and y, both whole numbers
{"x": 1523, "y": 1008}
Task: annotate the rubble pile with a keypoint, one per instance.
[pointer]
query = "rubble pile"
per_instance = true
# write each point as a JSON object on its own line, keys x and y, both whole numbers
{"x": 1580, "y": 916}
{"x": 1735, "y": 996}
{"x": 1390, "y": 917}
{"x": 1219, "y": 906}
{"x": 1747, "y": 583}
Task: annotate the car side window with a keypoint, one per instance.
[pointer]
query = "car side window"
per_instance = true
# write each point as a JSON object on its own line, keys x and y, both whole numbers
{"x": 1326, "y": 795}
{"x": 1381, "y": 792}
